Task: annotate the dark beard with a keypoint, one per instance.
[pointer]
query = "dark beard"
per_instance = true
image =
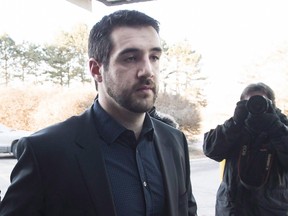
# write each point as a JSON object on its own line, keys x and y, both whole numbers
{"x": 130, "y": 104}
{"x": 126, "y": 101}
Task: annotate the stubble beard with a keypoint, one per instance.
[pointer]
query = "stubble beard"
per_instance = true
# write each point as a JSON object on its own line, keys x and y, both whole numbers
{"x": 125, "y": 98}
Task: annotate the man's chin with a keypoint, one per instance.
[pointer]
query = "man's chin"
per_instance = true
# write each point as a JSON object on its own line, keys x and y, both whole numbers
{"x": 141, "y": 108}
{"x": 139, "y": 104}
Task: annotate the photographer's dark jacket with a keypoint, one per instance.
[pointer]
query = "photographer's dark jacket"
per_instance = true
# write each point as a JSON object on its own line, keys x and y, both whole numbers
{"x": 234, "y": 199}
{"x": 61, "y": 172}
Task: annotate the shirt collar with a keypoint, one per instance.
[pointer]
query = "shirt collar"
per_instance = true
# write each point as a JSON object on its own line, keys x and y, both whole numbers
{"x": 110, "y": 130}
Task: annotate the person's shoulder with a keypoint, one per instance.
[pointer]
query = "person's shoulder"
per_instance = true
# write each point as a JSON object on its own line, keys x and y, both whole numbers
{"x": 282, "y": 116}
{"x": 161, "y": 124}
{"x": 67, "y": 128}
{"x": 58, "y": 136}
{"x": 166, "y": 130}
{"x": 163, "y": 117}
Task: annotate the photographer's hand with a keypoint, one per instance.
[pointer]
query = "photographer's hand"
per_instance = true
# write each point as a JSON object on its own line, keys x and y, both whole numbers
{"x": 233, "y": 126}
{"x": 240, "y": 113}
{"x": 263, "y": 122}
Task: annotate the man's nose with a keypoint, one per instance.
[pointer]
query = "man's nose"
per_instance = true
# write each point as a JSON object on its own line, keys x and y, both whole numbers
{"x": 146, "y": 68}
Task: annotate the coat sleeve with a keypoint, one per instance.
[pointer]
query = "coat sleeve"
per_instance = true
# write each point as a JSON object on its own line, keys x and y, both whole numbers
{"x": 23, "y": 196}
{"x": 220, "y": 141}
{"x": 192, "y": 205}
{"x": 281, "y": 147}
{"x": 280, "y": 141}
{"x": 280, "y": 144}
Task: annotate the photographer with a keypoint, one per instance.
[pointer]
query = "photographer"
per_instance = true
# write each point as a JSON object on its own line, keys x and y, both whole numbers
{"x": 254, "y": 145}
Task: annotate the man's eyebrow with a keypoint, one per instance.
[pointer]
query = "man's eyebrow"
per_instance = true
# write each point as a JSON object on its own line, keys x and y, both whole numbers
{"x": 130, "y": 50}
{"x": 157, "y": 49}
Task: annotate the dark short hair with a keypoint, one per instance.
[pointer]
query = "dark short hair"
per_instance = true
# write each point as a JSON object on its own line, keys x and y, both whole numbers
{"x": 100, "y": 43}
{"x": 260, "y": 87}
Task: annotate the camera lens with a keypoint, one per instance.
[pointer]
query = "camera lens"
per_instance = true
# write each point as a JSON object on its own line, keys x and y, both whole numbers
{"x": 257, "y": 105}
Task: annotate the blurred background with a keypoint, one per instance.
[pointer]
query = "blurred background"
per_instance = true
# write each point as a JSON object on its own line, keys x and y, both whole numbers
{"x": 212, "y": 50}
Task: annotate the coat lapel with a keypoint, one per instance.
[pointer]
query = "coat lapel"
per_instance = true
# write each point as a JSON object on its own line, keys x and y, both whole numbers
{"x": 168, "y": 166}
{"x": 92, "y": 165}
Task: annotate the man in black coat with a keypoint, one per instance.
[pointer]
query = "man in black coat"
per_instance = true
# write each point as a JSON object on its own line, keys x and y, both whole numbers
{"x": 114, "y": 159}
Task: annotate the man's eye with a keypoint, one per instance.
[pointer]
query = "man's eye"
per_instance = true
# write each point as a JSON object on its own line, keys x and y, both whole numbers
{"x": 130, "y": 59}
{"x": 155, "y": 58}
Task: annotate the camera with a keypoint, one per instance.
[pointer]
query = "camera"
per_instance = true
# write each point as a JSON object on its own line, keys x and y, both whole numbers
{"x": 258, "y": 104}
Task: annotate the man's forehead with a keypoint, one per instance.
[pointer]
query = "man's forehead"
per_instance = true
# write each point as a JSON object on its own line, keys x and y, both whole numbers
{"x": 135, "y": 36}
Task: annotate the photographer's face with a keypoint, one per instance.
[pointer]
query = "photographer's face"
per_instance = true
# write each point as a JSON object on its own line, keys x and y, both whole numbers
{"x": 250, "y": 94}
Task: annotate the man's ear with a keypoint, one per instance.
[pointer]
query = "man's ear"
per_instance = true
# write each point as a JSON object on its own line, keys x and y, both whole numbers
{"x": 95, "y": 69}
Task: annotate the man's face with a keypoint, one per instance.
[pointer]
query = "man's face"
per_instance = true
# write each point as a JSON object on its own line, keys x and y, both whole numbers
{"x": 132, "y": 76}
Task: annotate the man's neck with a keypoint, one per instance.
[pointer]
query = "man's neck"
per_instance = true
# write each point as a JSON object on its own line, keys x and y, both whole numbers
{"x": 130, "y": 120}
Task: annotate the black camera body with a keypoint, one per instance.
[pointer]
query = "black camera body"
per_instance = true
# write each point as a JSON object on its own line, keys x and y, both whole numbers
{"x": 258, "y": 104}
